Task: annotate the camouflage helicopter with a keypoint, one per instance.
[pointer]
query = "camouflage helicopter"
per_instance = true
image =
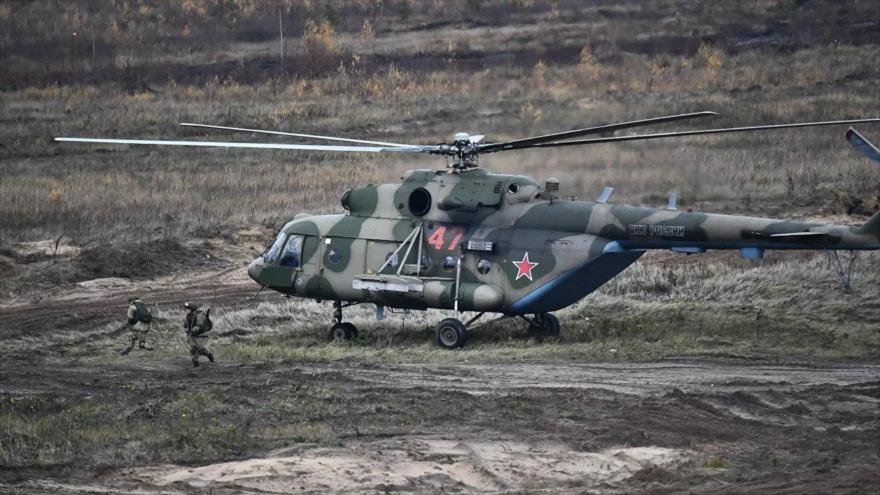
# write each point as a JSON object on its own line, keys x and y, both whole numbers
{"x": 467, "y": 239}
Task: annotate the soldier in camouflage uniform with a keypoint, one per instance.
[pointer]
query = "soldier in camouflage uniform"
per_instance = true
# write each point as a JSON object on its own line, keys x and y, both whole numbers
{"x": 197, "y": 324}
{"x": 140, "y": 321}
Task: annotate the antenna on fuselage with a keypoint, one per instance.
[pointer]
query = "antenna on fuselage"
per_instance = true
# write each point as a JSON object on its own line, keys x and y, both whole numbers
{"x": 606, "y": 194}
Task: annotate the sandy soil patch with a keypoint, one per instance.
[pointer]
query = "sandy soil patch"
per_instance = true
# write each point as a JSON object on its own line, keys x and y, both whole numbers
{"x": 420, "y": 463}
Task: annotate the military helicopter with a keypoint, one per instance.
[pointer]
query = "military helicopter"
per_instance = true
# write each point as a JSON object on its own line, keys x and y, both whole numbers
{"x": 466, "y": 239}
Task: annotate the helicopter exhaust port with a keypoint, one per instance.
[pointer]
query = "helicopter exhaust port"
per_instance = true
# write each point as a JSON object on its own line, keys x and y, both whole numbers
{"x": 419, "y": 202}
{"x": 360, "y": 201}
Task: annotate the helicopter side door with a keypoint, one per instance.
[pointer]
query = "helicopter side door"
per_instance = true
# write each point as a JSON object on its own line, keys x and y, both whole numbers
{"x": 380, "y": 252}
{"x": 306, "y": 278}
{"x": 311, "y": 260}
{"x": 342, "y": 259}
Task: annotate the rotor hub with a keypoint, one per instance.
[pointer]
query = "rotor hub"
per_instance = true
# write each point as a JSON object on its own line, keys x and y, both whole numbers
{"x": 462, "y": 153}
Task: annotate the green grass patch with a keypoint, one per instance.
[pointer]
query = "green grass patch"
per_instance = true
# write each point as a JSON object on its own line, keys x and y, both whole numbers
{"x": 717, "y": 463}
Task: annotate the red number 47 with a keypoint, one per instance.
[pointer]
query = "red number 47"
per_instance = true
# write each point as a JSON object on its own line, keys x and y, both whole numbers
{"x": 438, "y": 238}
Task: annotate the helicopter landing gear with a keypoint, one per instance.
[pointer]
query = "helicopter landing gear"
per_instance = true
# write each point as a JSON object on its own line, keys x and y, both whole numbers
{"x": 543, "y": 325}
{"x": 451, "y": 334}
{"x": 341, "y": 330}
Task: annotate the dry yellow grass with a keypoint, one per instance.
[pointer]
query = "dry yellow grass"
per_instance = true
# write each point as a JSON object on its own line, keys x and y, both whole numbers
{"x": 54, "y": 188}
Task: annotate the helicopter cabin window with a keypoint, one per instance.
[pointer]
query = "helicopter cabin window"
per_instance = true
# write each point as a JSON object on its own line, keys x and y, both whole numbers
{"x": 483, "y": 266}
{"x": 274, "y": 250}
{"x": 391, "y": 259}
{"x": 449, "y": 263}
{"x": 292, "y": 252}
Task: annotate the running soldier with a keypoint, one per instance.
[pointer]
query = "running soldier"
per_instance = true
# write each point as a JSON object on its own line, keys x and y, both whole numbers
{"x": 197, "y": 324}
{"x": 140, "y": 321}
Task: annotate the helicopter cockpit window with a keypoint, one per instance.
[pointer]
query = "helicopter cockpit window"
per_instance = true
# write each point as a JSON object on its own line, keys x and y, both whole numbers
{"x": 274, "y": 251}
{"x": 292, "y": 252}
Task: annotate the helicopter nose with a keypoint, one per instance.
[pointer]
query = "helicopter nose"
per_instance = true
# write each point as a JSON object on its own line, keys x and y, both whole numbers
{"x": 255, "y": 269}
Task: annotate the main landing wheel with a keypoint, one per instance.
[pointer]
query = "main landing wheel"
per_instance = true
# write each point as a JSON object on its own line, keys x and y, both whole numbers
{"x": 548, "y": 324}
{"x": 451, "y": 334}
{"x": 343, "y": 331}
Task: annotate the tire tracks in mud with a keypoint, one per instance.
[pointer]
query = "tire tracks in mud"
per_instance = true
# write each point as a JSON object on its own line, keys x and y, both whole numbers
{"x": 817, "y": 421}
{"x": 624, "y": 378}
{"x": 736, "y": 383}
{"x": 823, "y": 416}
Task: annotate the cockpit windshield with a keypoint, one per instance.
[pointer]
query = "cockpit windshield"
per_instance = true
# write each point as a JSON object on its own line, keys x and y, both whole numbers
{"x": 272, "y": 253}
{"x": 286, "y": 251}
{"x": 292, "y": 250}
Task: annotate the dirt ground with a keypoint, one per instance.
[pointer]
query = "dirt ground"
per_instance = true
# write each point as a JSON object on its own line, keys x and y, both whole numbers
{"x": 684, "y": 374}
{"x": 353, "y": 426}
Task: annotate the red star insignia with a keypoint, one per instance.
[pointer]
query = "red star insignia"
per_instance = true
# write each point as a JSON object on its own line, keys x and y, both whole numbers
{"x": 524, "y": 267}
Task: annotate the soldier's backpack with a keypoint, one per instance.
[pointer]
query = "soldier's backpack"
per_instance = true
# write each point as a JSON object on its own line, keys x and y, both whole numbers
{"x": 143, "y": 312}
{"x": 204, "y": 322}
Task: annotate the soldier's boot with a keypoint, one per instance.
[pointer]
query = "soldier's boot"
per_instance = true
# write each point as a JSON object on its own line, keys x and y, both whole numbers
{"x": 125, "y": 351}
{"x": 210, "y": 357}
{"x": 195, "y": 363}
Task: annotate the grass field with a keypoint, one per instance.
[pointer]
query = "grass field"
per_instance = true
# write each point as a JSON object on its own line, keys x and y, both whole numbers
{"x": 81, "y": 227}
{"x": 540, "y": 69}
{"x": 561, "y": 73}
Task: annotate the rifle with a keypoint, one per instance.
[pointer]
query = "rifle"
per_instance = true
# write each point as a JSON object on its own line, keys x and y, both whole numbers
{"x": 192, "y": 331}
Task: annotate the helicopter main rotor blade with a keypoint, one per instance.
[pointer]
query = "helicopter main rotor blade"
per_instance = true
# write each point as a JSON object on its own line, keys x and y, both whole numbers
{"x": 311, "y": 136}
{"x": 558, "y": 136}
{"x": 640, "y": 137}
{"x": 216, "y": 144}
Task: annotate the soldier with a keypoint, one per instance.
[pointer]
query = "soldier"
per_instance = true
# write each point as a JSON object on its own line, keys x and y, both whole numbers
{"x": 197, "y": 324}
{"x": 140, "y": 321}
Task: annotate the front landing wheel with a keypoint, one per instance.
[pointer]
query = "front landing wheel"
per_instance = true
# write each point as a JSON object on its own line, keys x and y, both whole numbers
{"x": 451, "y": 334}
{"x": 343, "y": 331}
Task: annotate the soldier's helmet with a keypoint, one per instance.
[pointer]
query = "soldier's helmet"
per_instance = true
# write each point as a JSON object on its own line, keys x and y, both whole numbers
{"x": 190, "y": 306}
{"x": 133, "y": 299}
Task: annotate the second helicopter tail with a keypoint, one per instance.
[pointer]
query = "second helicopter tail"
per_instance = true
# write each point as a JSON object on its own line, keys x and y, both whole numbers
{"x": 872, "y": 226}
{"x": 864, "y": 146}
{"x": 870, "y": 150}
